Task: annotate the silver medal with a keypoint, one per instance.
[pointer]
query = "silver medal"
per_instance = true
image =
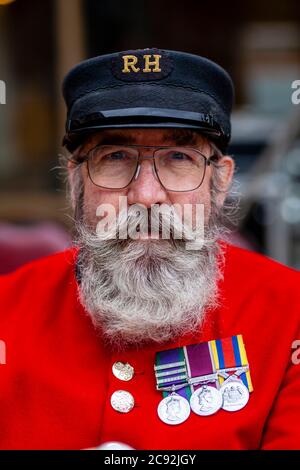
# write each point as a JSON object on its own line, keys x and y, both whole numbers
{"x": 174, "y": 409}
{"x": 123, "y": 371}
{"x": 122, "y": 401}
{"x": 235, "y": 395}
{"x": 206, "y": 401}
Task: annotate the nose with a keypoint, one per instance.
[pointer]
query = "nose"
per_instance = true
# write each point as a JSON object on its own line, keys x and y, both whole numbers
{"x": 145, "y": 188}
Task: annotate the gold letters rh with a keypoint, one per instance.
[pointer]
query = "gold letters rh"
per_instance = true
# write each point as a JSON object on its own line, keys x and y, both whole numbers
{"x": 130, "y": 62}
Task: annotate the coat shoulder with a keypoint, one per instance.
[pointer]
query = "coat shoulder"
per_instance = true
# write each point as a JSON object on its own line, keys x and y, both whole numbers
{"x": 31, "y": 280}
{"x": 246, "y": 263}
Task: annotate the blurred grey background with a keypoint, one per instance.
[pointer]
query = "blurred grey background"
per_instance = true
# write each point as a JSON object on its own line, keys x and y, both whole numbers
{"x": 257, "y": 41}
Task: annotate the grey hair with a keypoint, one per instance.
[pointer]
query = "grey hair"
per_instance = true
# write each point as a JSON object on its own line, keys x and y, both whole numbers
{"x": 227, "y": 214}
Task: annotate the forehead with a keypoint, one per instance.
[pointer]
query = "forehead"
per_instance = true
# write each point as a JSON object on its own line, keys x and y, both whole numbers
{"x": 145, "y": 137}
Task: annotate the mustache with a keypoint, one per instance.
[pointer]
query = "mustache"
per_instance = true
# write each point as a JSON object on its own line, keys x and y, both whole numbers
{"x": 163, "y": 221}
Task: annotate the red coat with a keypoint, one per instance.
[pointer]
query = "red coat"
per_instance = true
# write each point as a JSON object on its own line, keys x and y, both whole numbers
{"x": 56, "y": 386}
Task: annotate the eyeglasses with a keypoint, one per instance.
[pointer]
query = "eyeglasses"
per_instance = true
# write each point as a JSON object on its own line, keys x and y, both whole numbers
{"x": 176, "y": 168}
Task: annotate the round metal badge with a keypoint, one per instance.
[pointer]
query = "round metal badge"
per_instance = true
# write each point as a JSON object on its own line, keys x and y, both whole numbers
{"x": 123, "y": 371}
{"x": 174, "y": 409}
{"x": 235, "y": 395}
{"x": 206, "y": 401}
{"x": 122, "y": 401}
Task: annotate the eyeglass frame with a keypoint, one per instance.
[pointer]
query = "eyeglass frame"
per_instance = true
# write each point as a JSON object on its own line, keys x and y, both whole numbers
{"x": 208, "y": 161}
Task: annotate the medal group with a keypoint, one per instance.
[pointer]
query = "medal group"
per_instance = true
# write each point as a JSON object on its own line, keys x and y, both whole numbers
{"x": 204, "y": 378}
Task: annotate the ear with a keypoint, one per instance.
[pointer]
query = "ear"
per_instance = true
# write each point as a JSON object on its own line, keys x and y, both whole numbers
{"x": 75, "y": 181}
{"x": 225, "y": 169}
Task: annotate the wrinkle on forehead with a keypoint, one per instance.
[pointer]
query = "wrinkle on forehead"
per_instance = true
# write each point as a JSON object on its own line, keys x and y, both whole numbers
{"x": 182, "y": 137}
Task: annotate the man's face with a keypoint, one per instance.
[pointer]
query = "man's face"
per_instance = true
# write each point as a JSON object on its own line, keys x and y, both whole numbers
{"x": 146, "y": 189}
{"x": 140, "y": 290}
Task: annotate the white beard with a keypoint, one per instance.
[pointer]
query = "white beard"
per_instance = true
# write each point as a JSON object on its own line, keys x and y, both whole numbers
{"x": 139, "y": 291}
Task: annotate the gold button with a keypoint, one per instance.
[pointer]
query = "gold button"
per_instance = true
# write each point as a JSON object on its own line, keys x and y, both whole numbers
{"x": 123, "y": 371}
{"x": 122, "y": 401}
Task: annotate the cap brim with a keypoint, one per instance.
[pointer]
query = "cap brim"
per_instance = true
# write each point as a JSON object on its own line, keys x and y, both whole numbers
{"x": 73, "y": 139}
{"x": 130, "y": 107}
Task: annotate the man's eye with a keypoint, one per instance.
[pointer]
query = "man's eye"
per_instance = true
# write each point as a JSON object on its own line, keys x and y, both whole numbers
{"x": 179, "y": 156}
{"x": 115, "y": 156}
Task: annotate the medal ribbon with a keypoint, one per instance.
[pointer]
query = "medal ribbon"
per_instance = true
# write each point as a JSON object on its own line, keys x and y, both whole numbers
{"x": 171, "y": 373}
{"x": 184, "y": 370}
{"x": 200, "y": 365}
{"x": 230, "y": 353}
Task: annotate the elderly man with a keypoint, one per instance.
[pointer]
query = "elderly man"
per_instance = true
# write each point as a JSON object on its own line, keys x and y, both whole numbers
{"x": 105, "y": 339}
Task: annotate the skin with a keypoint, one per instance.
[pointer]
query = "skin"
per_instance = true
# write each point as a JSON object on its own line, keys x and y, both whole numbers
{"x": 146, "y": 189}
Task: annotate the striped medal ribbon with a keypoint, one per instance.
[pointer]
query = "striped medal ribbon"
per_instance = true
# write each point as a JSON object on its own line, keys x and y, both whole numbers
{"x": 204, "y": 377}
{"x": 172, "y": 379}
{"x": 206, "y": 398}
{"x": 231, "y": 362}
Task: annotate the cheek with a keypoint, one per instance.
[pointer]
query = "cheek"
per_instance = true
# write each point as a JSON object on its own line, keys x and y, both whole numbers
{"x": 94, "y": 197}
{"x": 200, "y": 196}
